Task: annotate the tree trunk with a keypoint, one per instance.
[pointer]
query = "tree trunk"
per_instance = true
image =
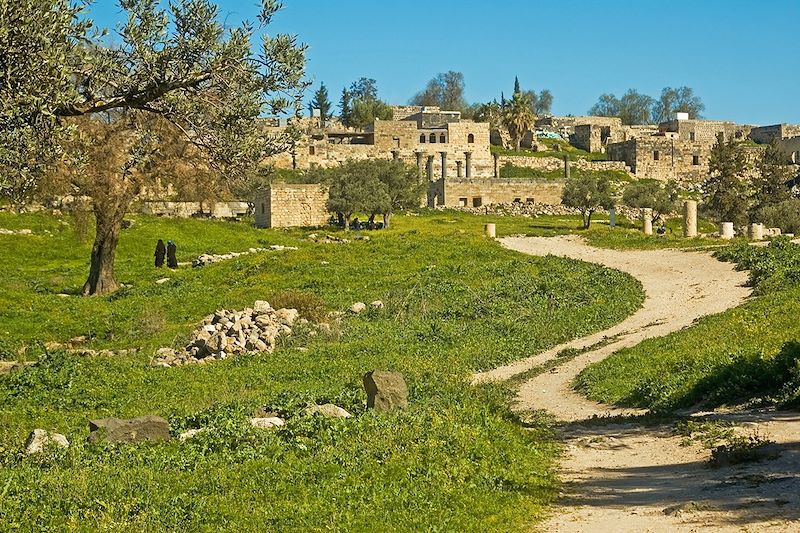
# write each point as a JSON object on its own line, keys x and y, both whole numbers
{"x": 340, "y": 217}
{"x": 346, "y": 222}
{"x": 517, "y": 143}
{"x": 101, "y": 271}
{"x": 588, "y": 220}
{"x": 386, "y": 218}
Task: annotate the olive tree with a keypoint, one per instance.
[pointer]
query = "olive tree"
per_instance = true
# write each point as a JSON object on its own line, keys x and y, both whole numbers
{"x": 177, "y": 64}
{"x": 588, "y": 194}
{"x": 662, "y": 198}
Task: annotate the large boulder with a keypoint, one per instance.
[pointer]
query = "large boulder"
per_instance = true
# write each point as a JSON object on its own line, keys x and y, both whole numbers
{"x": 287, "y": 317}
{"x": 327, "y": 410}
{"x": 267, "y": 422}
{"x": 386, "y": 390}
{"x": 358, "y": 307}
{"x": 40, "y": 439}
{"x": 116, "y": 430}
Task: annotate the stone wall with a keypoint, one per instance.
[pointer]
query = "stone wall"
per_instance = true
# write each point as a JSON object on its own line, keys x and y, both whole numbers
{"x": 790, "y": 149}
{"x": 705, "y": 131}
{"x": 554, "y": 163}
{"x": 188, "y": 209}
{"x": 478, "y": 192}
{"x": 767, "y": 134}
{"x": 663, "y": 158}
{"x": 285, "y": 205}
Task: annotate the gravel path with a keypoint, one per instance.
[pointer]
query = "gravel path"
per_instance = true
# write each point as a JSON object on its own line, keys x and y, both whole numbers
{"x": 631, "y": 478}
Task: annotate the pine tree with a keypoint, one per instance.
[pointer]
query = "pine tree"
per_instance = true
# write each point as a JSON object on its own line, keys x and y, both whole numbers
{"x": 321, "y": 102}
{"x": 346, "y": 108}
{"x": 516, "y": 85}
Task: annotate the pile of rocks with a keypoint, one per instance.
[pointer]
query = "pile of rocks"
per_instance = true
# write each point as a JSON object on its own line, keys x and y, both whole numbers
{"x": 225, "y": 333}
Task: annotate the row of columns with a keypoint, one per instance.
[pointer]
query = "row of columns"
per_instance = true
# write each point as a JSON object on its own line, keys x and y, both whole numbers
{"x": 466, "y": 164}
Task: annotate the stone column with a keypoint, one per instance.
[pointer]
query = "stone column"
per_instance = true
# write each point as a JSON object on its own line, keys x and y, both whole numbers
{"x": 490, "y": 230}
{"x": 458, "y": 168}
{"x": 647, "y": 221}
{"x": 690, "y": 218}
{"x": 444, "y": 164}
{"x": 612, "y": 217}
{"x": 756, "y": 232}
{"x": 566, "y": 167}
{"x": 726, "y": 230}
{"x": 419, "y": 162}
{"x": 468, "y": 158}
{"x": 496, "y": 158}
{"x": 430, "y": 168}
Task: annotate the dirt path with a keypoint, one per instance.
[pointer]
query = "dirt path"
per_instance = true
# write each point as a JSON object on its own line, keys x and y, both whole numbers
{"x": 622, "y": 477}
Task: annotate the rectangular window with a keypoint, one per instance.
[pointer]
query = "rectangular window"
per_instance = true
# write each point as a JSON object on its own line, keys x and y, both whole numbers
{"x": 462, "y": 202}
{"x": 695, "y": 160}
{"x": 477, "y": 201}
{"x": 528, "y": 200}
{"x": 691, "y": 136}
{"x": 656, "y": 155}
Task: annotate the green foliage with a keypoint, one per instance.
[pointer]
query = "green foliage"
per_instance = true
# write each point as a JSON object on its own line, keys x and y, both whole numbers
{"x": 706, "y": 363}
{"x": 455, "y": 302}
{"x": 770, "y": 187}
{"x": 784, "y": 215}
{"x": 365, "y": 107}
{"x": 321, "y": 102}
{"x": 346, "y": 108}
{"x": 588, "y": 194}
{"x": 677, "y": 100}
{"x": 517, "y": 117}
{"x": 446, "y": 91}
{"x": 633, "y": 107}
{"x": 374, "y": 186}
{"x": 652, "y": 194}
{"x": 726, "y": 194}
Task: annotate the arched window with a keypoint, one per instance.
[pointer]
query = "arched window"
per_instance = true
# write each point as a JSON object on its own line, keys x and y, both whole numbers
{"x": 442, "y": 138}
{"x": 422, "y": 139}
{"x": 470, "y": 138}
{"x": 433, "y": 138}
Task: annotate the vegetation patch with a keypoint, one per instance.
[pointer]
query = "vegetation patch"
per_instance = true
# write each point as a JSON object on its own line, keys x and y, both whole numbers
{"x": 455, "y": 302}
{"x": 747, "y": 354}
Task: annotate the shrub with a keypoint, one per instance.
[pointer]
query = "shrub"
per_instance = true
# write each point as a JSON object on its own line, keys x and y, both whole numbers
{"x": 785, "y": 215}
{"x": 310, "y": 306}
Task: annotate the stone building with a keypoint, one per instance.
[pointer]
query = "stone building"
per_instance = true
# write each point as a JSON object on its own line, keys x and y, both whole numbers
{"x": 767, "y": 134}
{"x": 439, "y": 143}
{"x": 286, "y": 205}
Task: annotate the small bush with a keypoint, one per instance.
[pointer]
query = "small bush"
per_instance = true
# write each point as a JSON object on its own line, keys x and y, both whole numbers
{"x": 785, "y": 215}
{"x": 310, "y": 306}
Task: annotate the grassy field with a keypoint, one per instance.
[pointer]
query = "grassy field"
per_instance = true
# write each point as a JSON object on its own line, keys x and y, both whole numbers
{"x": 457, "y": 459}
{"x": 749, "y": 354}
{"x": 564, "y": 148}
{"x": 510, "y": 171}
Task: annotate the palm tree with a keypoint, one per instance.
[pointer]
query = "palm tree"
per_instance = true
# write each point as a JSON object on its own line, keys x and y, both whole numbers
{"x": 518, "y": 117}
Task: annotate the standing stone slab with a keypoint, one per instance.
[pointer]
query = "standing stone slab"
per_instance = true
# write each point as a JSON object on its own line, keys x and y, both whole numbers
{"x": 386, "y": 390}
{"x": 116, "y": 430}
{"x": 690, "y": 218}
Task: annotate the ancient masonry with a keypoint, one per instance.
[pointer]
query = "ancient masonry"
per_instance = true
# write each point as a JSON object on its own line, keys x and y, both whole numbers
{"x": 285, "y": 205}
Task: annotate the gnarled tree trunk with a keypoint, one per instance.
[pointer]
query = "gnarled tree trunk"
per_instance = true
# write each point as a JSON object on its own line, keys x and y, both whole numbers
{"x": 101, "y": 271}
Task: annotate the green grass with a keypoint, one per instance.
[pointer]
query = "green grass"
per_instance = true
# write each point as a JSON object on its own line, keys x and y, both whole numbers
{"x": 455, "y": 302}
{"x": 747, "y": 354}
{"x": 565, "y": 148}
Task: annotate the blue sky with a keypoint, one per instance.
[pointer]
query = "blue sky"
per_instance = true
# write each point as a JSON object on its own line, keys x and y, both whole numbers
{"x": 741, "y": 57}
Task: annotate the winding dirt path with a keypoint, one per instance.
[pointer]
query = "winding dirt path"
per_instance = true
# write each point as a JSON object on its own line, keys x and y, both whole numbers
{"x": 631, "y": 478}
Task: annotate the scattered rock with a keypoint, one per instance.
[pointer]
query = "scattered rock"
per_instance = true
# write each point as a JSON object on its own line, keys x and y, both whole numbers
{"x": 327, "y": 410}
{"x": 190, "y": 434}
{"x": 688, "y": 507}
{"x": 6, "y": 367}
{"x": 207, "y": 259}
{"x": 287, "y": 316}
{"x": 116, "y": 430}
{"x": 358, "y": 307}
{"x": 4, "y": 231}
{"x": 162, "y": 281}
{"x": 377, "y": 305}
{"x": 127, "y": 224}
{"x": 386, "y": 390}
{"x": 280, "y": 247}
{"x": 267, "y": 422}
{"x": 40, "y": 439}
